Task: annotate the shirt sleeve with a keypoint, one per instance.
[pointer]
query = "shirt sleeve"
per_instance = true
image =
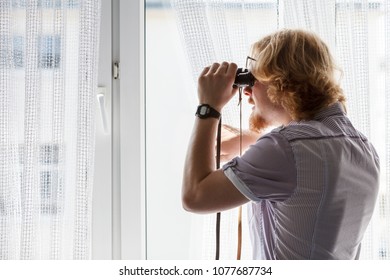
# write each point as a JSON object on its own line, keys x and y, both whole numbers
{"x": 266, "y": 170}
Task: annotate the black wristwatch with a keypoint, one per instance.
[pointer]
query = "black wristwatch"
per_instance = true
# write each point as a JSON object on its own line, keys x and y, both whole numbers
{"x": 205, "y": 111}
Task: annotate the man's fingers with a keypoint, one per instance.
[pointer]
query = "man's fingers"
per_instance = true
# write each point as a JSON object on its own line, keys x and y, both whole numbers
{"x": 232, "y": 69}
{"x": 210, "y": 69}
{"x": 222, "y": 68}
{"x": 213, "y": 68}
{"x": 205, "y": 71}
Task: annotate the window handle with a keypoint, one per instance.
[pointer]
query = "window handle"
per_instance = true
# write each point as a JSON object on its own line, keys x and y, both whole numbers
{"x": 101, "y": 98}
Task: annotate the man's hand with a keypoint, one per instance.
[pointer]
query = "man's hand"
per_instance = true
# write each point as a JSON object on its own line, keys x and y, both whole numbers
{"x": 215, "y": 84}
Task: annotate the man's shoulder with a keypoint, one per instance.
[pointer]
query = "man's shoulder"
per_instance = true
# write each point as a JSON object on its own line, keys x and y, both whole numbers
{"x": 335, "y": 126}
{"x": 300, "y": 130}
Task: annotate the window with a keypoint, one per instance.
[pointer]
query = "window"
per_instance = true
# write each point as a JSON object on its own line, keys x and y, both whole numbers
{"x": 49, "y": 53}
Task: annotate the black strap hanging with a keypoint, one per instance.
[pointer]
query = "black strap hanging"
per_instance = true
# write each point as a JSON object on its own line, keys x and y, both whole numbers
{"x": 218, "y": 163}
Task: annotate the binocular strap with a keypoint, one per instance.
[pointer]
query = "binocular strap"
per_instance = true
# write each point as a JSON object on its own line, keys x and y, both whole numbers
{"x": 218, "y": 218}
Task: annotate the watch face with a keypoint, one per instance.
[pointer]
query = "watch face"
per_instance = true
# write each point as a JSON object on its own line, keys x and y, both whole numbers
{"x": 203, "y": 110}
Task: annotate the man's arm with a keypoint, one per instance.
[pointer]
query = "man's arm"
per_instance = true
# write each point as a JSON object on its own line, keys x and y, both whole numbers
{"x": 206, "y": 189}
{"x": 230, "y": 141}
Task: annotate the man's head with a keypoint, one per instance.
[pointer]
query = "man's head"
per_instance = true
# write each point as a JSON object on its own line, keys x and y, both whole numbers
{"x": 298, "y": 70}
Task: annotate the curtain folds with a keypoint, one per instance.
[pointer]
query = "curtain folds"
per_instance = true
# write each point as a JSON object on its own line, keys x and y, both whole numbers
{"x": 48, "y": 80}
{"x": 357, "y": 31}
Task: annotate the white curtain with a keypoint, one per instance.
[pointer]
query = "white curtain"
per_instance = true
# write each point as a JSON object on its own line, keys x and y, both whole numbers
{"x": 357, "y": 32}
{"x": 48, "y": 79}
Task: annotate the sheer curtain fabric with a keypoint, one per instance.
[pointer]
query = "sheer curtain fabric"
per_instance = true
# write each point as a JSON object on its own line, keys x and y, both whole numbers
{"x": 48, "y": 80}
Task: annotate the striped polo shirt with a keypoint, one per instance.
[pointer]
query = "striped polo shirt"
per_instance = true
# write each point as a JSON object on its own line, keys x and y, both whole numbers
{"x": 313, "y": 186}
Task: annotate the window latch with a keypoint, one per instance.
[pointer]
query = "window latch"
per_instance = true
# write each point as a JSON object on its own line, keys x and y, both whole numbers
{"x": 101, "y": 97}
{"x": 115, "y": 72}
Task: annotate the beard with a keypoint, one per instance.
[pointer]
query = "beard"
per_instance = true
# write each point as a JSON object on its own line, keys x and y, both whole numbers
{"x": 257, "y": 123}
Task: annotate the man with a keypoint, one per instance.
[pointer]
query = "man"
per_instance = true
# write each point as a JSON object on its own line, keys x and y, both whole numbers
{"x": 313, "y": 181}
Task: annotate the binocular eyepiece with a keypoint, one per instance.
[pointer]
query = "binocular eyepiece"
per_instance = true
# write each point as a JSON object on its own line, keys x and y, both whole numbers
{"x": 244, "y": 78}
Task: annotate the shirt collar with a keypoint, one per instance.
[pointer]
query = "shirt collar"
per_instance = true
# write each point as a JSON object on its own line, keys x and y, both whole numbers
{"x": 334, "y": 109}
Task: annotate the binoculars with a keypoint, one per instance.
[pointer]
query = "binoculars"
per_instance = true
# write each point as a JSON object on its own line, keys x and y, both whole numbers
{"x": 244, "y": 78}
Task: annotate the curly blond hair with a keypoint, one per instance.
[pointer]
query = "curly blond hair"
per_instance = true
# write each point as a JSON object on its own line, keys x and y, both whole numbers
{"x": 299, "y": 70}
